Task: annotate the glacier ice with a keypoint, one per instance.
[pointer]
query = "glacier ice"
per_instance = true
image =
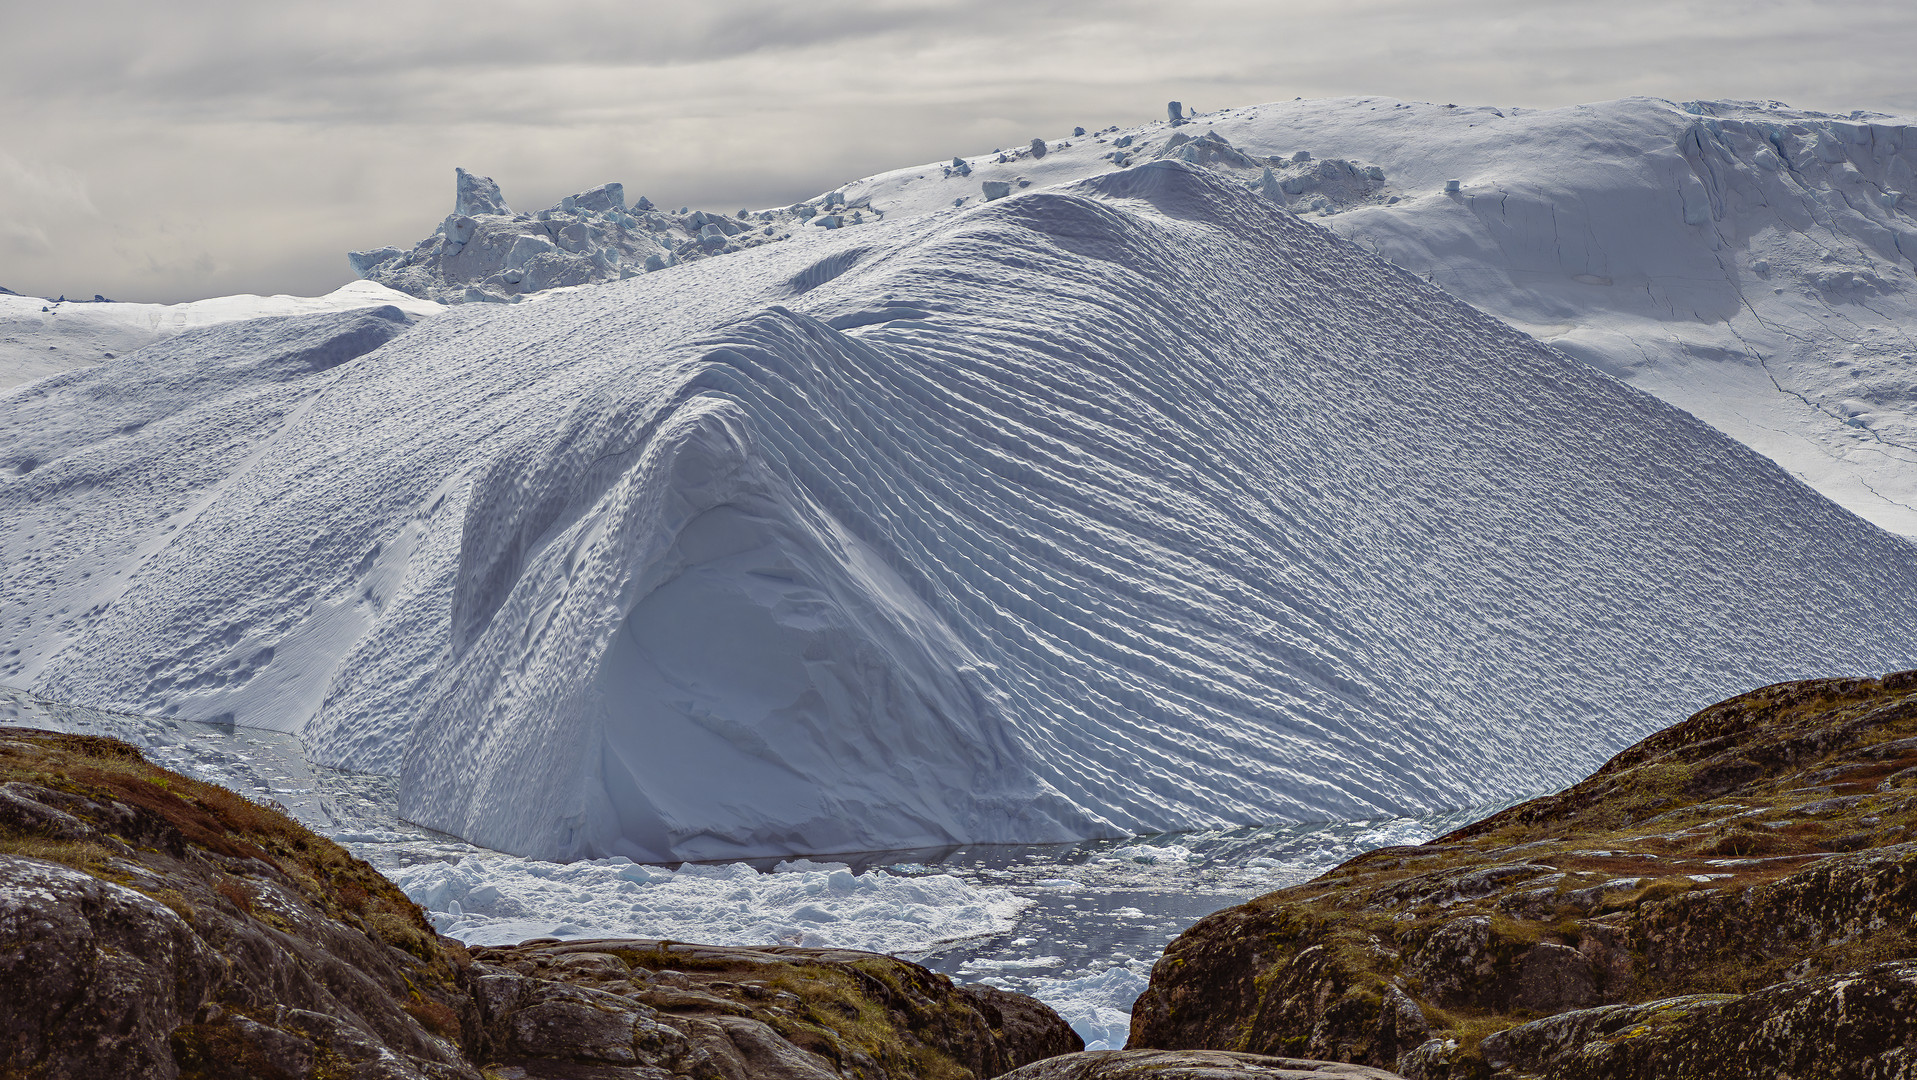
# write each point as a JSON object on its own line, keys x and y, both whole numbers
{"x": 40, "y": 337}
{"x": 474, "y": 195}
{"x": 485, "y": 252}
{"x": 1132, "y": 505}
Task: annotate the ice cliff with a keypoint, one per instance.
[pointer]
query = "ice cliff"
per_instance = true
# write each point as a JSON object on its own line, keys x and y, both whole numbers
{"x": 1135, "y": 504}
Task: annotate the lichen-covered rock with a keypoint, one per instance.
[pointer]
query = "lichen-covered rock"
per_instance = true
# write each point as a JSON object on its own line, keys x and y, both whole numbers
{"x": 1720, "y": 885}
{"x": 738, "y": 1013}
{"x": 1852, "y": 1026}
{"x": 152, "y": 926}
{"x": 1190, "y": 1065}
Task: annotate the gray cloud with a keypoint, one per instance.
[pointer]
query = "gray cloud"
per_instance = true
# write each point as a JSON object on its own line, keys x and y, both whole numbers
{"x": 220, "y": 147}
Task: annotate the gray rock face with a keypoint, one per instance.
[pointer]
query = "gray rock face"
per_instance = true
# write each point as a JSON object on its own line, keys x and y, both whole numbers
{"x": 1190, "y": 1065}
{"x": 186, "y": 945}
{"x": 1553, "y": 977}
{"x": 1861, "y": 1024}
{"x": 103, "y": 959}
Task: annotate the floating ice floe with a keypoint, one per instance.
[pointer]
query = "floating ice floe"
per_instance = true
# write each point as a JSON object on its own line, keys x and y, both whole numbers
{"x": 490, "y": 900}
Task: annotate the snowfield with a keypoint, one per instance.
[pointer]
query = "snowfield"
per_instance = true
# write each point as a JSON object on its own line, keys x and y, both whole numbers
{"x": 1129, "y": 505}
{"x": 43, "y": 337}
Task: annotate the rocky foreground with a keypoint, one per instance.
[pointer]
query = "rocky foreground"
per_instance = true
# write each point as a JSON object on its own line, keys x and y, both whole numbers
{"x": 1732, "y": 897}
{"x": 153, "y": 926}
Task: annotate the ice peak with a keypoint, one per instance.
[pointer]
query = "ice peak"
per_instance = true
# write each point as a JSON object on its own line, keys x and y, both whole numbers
{"x": 475, "y": 194}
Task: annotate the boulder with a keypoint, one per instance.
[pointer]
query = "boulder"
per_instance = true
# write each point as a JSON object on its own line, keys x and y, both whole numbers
{"x": 771, "y": 1011}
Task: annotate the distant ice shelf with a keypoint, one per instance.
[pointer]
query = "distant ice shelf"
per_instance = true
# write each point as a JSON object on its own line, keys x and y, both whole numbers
{"x": 1131, "y": 505}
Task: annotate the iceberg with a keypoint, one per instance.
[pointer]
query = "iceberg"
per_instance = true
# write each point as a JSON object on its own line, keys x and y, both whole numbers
{"x": 1123, "y": 506}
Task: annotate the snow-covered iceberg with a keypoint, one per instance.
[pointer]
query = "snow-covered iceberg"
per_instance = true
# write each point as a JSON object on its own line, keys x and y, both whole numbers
{"x": 1137, "y": 504}
{"x": 1751, "y": 263}
{"x": 40, "y": 337}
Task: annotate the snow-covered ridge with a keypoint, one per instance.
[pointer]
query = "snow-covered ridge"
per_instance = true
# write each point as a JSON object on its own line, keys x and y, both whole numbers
{"x": 41, "y": 337}
{"x": 1134, "y": 505}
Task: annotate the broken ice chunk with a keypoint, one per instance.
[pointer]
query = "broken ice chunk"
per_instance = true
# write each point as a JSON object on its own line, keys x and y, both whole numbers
{"x": 1038, "y": 147}
{"x": 527, "y": 246}
{"x": 1175, "y": 111}
{"x": 598, "y": 200}
{"x": 575, "y": 237}
{"x": 457, "y": 228}
{"x": 997, "y": 189}
{"x": 362, "y": 261}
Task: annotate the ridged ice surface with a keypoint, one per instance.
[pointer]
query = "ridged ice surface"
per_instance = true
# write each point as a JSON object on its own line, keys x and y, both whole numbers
{"x": 1135, "y": 505}
{"x": 1747, "y": 262}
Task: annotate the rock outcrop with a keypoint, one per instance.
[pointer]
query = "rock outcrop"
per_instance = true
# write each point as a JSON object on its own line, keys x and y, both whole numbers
{"x": 744, "y": 1013}
{"x": 1190, "y": 1065}
{"x": 153, "y": 926}
{"x": 1733, "y": 896}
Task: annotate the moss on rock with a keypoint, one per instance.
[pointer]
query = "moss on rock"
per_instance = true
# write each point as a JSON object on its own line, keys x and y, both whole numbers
{"x": 1763, "y": 848}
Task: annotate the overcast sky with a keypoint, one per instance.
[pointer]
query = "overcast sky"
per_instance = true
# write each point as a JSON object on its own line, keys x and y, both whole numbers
{"x": 172, "y": 151}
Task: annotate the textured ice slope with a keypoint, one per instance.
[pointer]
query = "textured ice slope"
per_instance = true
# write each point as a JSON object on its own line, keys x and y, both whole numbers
{"x": 1746, "y": 261}
{"x": 1134, "y": 506}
